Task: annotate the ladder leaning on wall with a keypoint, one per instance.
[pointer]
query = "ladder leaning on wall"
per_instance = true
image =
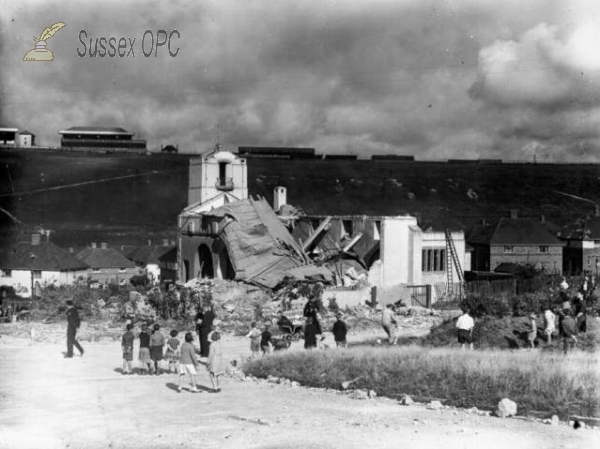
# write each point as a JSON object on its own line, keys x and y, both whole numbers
{"x": 453, "y": 260}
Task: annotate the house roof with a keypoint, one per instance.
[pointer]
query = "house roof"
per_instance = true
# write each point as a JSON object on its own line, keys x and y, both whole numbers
{"x": 584, "y": 228}
{"x": 148, "y": 253}
{"x": 9, "y": 130}
{"x": 170, "y": 256}
{"x": 44, "y": 256}
{"x": 104, "y": 258}
{"x": 26, "y": 132}
{"x": 260, "y": 248}
{"x": 95, "y": 130}
{"x": 512, "y": 231}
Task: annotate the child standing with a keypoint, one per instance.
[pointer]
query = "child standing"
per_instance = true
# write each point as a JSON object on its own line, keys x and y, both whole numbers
{"x": 188, "y": 362}
{"x": 127, "y": 346}
{"x": 172, "y": 354}
{"x": 265, "y": 340}
{"x": 532, "y": 335}
{"x": 144, "y": 355}
{"x": 214, "y": 364}
{"x": 254, "y": 336}
{"x": 465, "y": 325}
{"x": 340, "y": 330}
{"x": 549, "y": 323}
{"x": 157, "y": 341}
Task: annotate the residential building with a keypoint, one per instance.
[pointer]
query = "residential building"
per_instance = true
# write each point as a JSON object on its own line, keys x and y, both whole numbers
{"x": 519, "y": 241}
{"x": 38, "y": 263}
{"x": 582, "y": 244}
{"x": 107, "y": 265}
{"x": 147, "y": 258}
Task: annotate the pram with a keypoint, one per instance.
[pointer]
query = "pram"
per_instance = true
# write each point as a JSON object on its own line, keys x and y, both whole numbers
{"x": 288, "y": 332}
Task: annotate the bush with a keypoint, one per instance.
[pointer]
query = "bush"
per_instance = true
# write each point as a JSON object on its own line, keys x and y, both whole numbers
{"x": 480, "y": 305}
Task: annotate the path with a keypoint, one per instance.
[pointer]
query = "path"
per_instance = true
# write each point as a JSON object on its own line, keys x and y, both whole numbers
{"x": 47, "y": 401}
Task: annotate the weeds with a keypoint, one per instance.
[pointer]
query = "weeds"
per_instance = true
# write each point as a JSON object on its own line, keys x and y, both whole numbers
{"x": 551, "y": 383}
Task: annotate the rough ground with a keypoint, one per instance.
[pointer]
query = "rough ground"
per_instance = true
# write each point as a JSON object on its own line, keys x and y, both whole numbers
{"x": 47, "y": 401}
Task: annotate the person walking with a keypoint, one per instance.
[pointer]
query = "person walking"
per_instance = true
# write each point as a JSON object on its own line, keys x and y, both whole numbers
{"x": 465, "y": 325}
{"x": 73, "y": 324}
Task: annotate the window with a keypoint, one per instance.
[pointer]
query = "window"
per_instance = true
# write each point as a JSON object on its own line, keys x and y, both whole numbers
{"x": 95, "y": 270}
{"x": 434, "y": 260}
{"x": 544, "y": 249}
{"x": 37, "y": 274}
{"x": 348, "y": 226}
{"x": 509, "y": 249}
{"x": 191, "y": 227}
{"x": 5, "y": 273}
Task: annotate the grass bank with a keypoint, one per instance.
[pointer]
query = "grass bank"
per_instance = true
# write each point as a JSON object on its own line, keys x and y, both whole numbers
{"x": 552, "y": 383}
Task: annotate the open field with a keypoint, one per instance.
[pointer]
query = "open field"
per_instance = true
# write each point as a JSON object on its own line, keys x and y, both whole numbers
{"x": 138, "y": 207}
{"x": 51, "y": 402}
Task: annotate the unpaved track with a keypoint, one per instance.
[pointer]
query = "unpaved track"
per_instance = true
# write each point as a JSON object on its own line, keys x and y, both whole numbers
{"x": 47, "y": 401}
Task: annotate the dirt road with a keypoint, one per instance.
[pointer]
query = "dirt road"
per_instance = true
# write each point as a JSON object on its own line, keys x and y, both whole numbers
{"x": 47, "y": 401}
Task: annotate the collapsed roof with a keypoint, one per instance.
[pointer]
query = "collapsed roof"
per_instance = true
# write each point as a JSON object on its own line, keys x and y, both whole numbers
{"x": 260, "y": 248}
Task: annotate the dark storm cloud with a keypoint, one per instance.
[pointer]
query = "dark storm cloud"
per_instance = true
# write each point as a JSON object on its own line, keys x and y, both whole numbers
{"x": 431, "y": 78}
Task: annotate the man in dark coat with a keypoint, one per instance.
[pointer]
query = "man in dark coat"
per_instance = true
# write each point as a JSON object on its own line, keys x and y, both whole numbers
{"x": 204, "y": 324}
{"x": 73, "y": 323}
{"x": 569, "y": 331}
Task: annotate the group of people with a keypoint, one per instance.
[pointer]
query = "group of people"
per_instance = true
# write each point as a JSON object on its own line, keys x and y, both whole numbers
{"x": 262, "y": 341}
{"x": 180, "y": 356}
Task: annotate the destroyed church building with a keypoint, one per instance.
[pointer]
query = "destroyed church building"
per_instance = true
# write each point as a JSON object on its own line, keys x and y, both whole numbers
{"x": 224, "y": 233}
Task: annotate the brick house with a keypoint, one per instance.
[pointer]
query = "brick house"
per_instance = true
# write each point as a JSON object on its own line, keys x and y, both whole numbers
{"x": 107, "y": 265}
{"x": 520, "y": 241}
{"x": 582, "y": 244}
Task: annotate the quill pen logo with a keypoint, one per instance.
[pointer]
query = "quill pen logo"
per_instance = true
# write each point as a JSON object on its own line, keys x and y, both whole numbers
{"x": 40, "y": 52}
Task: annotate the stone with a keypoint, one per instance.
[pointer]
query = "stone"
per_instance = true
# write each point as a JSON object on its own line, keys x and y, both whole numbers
{"x": 506, "y": 408}
{"x": 294, "y": 384}
{"x": 372, "y": 394}
{"x": 554, "y": 421}
{"x": 359, "y": 394}
{"x": 435, "y": 405}
{"x": 406, "y": 400}
{"x": 273, "y": 379}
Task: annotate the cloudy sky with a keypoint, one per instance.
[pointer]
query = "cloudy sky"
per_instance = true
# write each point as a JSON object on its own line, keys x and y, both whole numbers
{"x": 436, "y": 79}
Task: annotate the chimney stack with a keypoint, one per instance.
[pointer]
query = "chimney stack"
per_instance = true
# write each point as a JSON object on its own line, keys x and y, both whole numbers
{"x": 514, "y": 213}
{"x": 279, "y": 197}
{"x": 35, "y": 239}
{"x": 93, "y": 245}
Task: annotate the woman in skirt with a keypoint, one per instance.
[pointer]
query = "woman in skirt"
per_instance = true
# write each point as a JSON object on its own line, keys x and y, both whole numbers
{"x": 214, "y": 365}
{"x": 157, "y": 341}
{"x": 144, "y": 354}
